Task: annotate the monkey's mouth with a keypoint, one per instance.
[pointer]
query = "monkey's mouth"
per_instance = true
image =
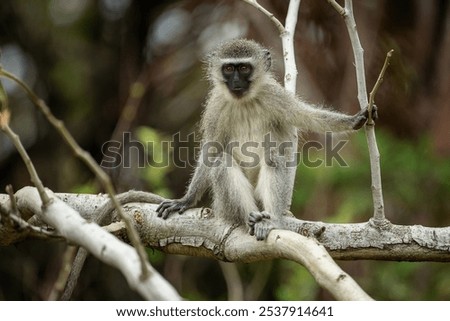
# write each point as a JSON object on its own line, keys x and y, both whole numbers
{"x": 238, "y": 88}
{"x": 239, "y": 91}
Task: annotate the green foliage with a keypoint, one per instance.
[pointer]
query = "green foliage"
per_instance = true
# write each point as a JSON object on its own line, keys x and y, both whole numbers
{"x": 394, "y": 280}
{"x": 155, "y": 257}
{"x": 157, "y": 155}
{"x": 408, "y": 281}
{"x": 70, "y": 75}
{"x": 296, "y": 283}
{"x": 86, "y": 188}
{"x": 346, "y": 189}
{"x": 414, "y": 181}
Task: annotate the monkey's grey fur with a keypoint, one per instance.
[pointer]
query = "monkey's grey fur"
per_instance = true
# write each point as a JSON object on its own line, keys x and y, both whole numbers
{"x": 258, "y": 195}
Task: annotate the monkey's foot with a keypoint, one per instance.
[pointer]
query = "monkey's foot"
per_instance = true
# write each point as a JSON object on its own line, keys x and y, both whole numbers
{"x": 168, "y": 207}
{"x": 260, "y": 224}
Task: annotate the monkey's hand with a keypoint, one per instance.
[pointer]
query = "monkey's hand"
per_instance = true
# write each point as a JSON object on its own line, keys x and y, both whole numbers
{"x": 361, "y": 117}
{"x": 168, "y": 207}
{"x": 260, "y": 224}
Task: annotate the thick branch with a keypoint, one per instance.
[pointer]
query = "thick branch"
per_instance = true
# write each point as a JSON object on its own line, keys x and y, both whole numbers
{"x": 198, "y": 234}
{"x": 298, "y": 248}
{"x": 97, "y": 241}
{"x": 343, "y": 241}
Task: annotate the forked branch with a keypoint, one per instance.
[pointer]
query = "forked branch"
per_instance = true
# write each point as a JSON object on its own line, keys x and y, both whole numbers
{"x": 327, "y": 274}
{"x": 358, "y": 53}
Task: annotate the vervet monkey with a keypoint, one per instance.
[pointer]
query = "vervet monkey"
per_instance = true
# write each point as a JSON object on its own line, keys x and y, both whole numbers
{"x": 249, "y": 116}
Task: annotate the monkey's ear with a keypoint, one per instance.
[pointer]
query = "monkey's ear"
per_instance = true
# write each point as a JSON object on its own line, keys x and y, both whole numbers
{"x": 267, "y": 59}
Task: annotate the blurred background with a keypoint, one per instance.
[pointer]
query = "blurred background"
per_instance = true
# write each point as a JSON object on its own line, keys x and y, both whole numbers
{"x": 108, "y": 67}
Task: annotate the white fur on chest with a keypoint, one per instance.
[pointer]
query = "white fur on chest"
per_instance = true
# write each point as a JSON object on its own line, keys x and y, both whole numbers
{"x": 253, "y": 123}
{"x": 247, "y": 139}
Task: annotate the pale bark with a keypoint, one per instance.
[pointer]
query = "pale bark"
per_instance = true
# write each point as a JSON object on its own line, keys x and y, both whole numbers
{"x": 200, "y": 233}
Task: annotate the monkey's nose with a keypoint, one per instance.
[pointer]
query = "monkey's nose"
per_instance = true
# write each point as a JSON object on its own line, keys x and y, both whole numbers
{"x": 237, "y": 84}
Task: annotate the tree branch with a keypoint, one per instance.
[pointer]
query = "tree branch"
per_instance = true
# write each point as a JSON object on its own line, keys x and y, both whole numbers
{"x": 271, "y": 16}
{"x": 97, "y": 241}
{"x": 64, "y": 272}
{"x": 197, "y": 234}
{"x": 4, "y": 126}
{"x": 290, "y": 82}
{"x": 374, "y": 155}
{"x": 85, "y": 157}
{"x": 353, "y": 241}
{"x": 193, "y": 233}
{"x": 377, "y": 85}
{"x": 344, "y": 241}
{"x": 287, "y": 40}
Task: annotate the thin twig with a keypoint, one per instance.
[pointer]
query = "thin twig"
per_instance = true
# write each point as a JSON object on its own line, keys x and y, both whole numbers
{"x": 89, "y": 161}
{"x": 36, "y": 230}
{"x": 4, "y": 126}
{"x": 271, "y": 16}
{"x": 74, "y": 273}
{"x": 11, "y": 217}
{"x": 13, "y": 208}
{"x": 4, "y": 105}
{"x": 337, "y": 6}
{"x": 377, "y": 85}
{"x": 64, "y": 272}
{"x": 14, "y": 213}
{"x": 10, "y": 191}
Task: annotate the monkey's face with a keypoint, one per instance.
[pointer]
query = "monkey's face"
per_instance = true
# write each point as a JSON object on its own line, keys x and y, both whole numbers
{"x": 237, "y": 78}
{"x": 238, "y": 68}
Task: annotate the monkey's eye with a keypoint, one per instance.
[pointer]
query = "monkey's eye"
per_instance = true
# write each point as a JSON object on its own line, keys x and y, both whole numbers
{"x": 245, "y": 69}
{"x": 228, "y": 69}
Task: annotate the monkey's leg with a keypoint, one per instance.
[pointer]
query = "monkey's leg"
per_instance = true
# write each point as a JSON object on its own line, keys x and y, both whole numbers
{"x": 233, "y": 196}
{"x": 274, "y": 191}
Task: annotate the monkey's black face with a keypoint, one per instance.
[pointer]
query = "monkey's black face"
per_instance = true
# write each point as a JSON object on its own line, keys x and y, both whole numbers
{"x": 237, "y": 78}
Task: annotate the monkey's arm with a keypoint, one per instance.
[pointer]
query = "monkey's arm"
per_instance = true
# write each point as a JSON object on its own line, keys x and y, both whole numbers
{"x": 197, "y": 188}
{"x": 320, "y": 120}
